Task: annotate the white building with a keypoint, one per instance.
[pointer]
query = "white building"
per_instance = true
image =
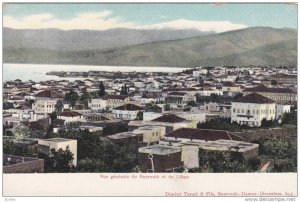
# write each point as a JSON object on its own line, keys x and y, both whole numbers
{"x": 252, "y": 109}
{"x": 98, "y": 104}
{"x": 58, "y": 143}
{"x": 127, "y": 111}
{"x": 45, "y": 101}
{"x": 151, "y": 134}
{"x": 70, "y": 116}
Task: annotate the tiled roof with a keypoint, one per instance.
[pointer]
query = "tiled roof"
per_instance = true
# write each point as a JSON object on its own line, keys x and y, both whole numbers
{"x": 49, "y": 94}
{"x": 115, "y": 97}
{"x": 265, "y": 89}
{"x": 203, "y": 134}
{"x": 69, "y": 114}
{"x": 255, "y": 98}
{"x": 129, "y": 107}
{"x": 169, "y": 118}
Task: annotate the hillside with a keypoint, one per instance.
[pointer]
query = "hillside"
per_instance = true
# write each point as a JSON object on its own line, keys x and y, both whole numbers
{"x": 250, "y": 46}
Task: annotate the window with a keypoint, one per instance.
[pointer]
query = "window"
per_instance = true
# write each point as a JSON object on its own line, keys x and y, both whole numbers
{"x": 233, "y": 110}
{"x": 257, "y": 111}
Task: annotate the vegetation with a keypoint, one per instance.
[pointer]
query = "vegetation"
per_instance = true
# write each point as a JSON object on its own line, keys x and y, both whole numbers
{"x": 230, "y": 161}
{"x": 290, "y": 118}
{"x": 85, "y": 98}
{"x": 72, "y": 97}
{"x": 59, "y": 106}
{"x": 222, "y": 124}
{"x": 124, "y": 90}
{"x": 59, "y": 161}
{"x": 101, "y": 89}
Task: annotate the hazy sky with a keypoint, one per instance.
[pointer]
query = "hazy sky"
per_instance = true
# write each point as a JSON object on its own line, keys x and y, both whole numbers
{"x": 205, "y": 17}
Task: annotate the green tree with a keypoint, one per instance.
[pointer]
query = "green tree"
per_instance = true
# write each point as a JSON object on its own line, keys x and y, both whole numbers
{"x": 59, "y": 106}
{"x": 167, "y": 107}
{"x": 91, "y": 165}
{"x": 276, "y": 149}
{"x": 9, "y": 147}
{"x": 72, "y": 97}
{"x": 59, "y": 161}
{"x": 139, "y": 115}
{"x": 124, "y": 90}
{"x": 290, "y": 118}
{"x": 85, "y": 98}
{"x": 101, "y": 89}
{"x": 273, "y": 82}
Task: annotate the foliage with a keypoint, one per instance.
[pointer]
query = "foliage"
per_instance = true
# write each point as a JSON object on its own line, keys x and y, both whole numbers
{"x": 85, "y": 98}
{"x": 276, "y": 148}
{"x": 222, "y": 124}
{"x": 59, "y": 106}
{"x": 139, "y": 115}
{"x": 115, "y": 128}
{"x": 72, "y": 97}
{"x": 95, "y": 94}
{"x": 101, "y": 89}
{"x": 53, "y": 116}
{"x": 167, "y": 107}
{"x": 22, "y": 131}
{"x": 269, "y": 123}
{"x": 91, "y": 165}
{"x": 59, "y": 161}
{"x": 9, "y": 147}
{"x": 230, "y": 161}
{"x": 192, "y": 103}
{"x": 290, "y": 118}
{"x": 124, "y": 90}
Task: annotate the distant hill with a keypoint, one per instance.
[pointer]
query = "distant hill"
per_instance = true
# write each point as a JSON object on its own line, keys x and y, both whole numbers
{"x": 250, "y": 46}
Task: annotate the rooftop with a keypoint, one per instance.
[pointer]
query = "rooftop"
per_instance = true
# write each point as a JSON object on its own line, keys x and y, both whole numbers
{"x": 203, "y": 134}
{"x": 169, "y": 118}
{"x": 159, "y": 150}
{"x": 255, "y": 98}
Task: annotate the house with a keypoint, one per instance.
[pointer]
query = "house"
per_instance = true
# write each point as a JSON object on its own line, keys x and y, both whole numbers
{"x": 147, "y": 99}
{"x": 281, "y": 109}
{"x": 21, "y": 164}
{"x": 132, "y": 137}
{"x": 127, "y": 111}
{"x": 280, "y": 95}
{"x": 252, "y": 109}
{"x": 179, "y": 98}
{"x": 98, "y": 104}
{"x": 284, "y": 78}
{"x": 69, "y": 116}
{"x": 151, "y": 134}
{"x": 113, "y": 101}
{"x": 159, "y": 159}
{"x": 45, "y": 101}
{"x": 45, "y": 146}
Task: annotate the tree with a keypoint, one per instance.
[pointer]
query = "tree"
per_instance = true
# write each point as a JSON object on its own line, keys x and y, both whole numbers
{"x": 101, "y": 89}
{"x": 85, "y": 98}
{"x": 72, "y": 97}
{"x": 276, "y": 149}
{"x": 22, "y": 132}
{"x": 53, "y": 116}
{"x": 290, "y": 118}
{"x": 59, "y": 106}
{"x": 167, "y": 107}
{"x": 59, "y": 161}
{"x": 139, "y": 115}
{"x": 124, "y": 90}
{"x": 91, "y": 165}
{"x": 273, "y": 82}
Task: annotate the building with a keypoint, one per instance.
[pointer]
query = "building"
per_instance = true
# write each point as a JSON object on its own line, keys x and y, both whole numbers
{"x": 284, "y": 79}
{"x": 281, "y": 109}
{"x": 20, "y": 164}
{"x": 46, "y": 145}
{"x": 132, "y": 137}
{"x": 127, "y": 111}
{"x": 280, "y": 95}
{"x": 159, "y": 159}
{"x": 151, "y": 134}
{"x": 45, "y": 101}
{"x": 70, "y": 117}
{"x": 252, "y": 109}
{"x": 113, "y": 101}
{"x": 98, "y": 104}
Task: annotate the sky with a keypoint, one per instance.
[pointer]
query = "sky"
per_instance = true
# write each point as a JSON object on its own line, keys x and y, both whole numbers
{"x": 204, "y": 17}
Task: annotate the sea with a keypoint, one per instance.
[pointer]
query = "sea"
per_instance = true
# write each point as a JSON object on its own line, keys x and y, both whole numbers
{"x": 37, "y": 72}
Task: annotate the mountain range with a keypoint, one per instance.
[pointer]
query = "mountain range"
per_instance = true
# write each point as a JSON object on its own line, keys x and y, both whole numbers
{"x": 152, "y": 47}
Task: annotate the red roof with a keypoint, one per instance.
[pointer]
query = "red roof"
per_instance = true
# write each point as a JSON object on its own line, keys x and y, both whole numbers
{"x": 129, "y": 107}
{"x": 115, "y": 97}
{"x": 169, "y": 118}
{"x": 255, "y": 98}
{"x": 49, "y": 94}
{"x": 265, "y": 89}
{"x": 69, "y": 114}
{"x": 203, "y": 134}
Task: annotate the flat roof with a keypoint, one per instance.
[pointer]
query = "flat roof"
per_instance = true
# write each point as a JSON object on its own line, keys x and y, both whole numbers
{"x": 159, "y": 150}
{"x": 12, "y": 159}
{"x": 123, "y": 135}
{"x": 57, "y": 140}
